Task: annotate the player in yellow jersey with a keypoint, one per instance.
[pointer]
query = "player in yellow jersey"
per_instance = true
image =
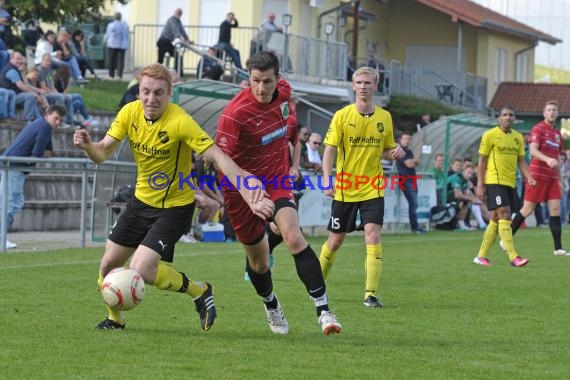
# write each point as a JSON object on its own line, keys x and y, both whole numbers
{"x": 360, "y": 135}
{"x": 502, "y": 148}
{"x": 162, "y": 137}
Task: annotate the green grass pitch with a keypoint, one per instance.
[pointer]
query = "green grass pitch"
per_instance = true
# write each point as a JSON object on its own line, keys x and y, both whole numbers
{"x": 444, "y": 317}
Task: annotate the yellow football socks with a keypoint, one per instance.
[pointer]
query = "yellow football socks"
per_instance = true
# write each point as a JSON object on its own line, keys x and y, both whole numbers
{"x": 506, "y": 234}
{"x": 168, "y": 278}
{"x": 114, "y": 315}
{"x": 489, "y": 238}
{"x": 373, "y": 268}
{"x": 326, "y": 259}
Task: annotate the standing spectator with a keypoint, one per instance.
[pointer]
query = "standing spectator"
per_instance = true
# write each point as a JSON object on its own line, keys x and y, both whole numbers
{"x": 313, "y": 153}
{"x": 407, "y": 169}
{"x": 546, "y": 146}
{"x": 33, "y": 141}
{"x": 358, "y": 158}
{"x": 117, "y": 39}
{"x": 424, "y": 120}
{"x": 209, "y": 66}
{"x": 11, "y": 79}
{"x": 266, "y": 30}
{"x": 252, "y": 130}
{"x": 80, "y": 53}
{"x": 172, "y": 30}
{"x": 501, "y": 150}
{"x": 440, "y": 176}
{"x": 155, "y": 219}
{"x": 225, "y": 37}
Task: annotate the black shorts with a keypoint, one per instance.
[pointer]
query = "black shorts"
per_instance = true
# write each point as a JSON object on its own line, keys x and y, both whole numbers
{"x": 343, "y": 214}
{"x": 501, "y": 196}
{"x": 156, "y": 228}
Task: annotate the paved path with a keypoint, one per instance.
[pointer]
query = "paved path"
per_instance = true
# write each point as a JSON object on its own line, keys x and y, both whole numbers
{"x": 48, "y": 240}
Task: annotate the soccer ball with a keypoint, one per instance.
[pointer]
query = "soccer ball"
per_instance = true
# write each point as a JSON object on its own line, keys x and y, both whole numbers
{"x": 122, "y": 289}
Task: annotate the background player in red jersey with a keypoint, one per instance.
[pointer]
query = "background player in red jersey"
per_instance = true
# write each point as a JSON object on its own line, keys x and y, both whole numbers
{"x": 546, "y": 148}
{"x": 252, "y": 130}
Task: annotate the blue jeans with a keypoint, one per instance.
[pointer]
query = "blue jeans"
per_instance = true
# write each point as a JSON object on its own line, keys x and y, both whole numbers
{"x": 411, "y": 195}
{"x": 28, "y": 100}
{"x": 16, "y": 180}
{"x": 7, "y": 104}
{"x": 233, "y": 53}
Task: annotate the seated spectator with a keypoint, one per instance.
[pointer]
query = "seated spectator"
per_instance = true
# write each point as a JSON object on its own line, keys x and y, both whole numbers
{"x": 11, "y": 79}
{"x": 456, "y": 167}
{"x": 62, "y": 53}
{"x": 62, "y": 82}
{"x": 48, "y": 96}
{"x": 47, "y": 84}
{"x": 225, "y": 36}
{"x": 209, "y": 66}
{"x": 313, "y": 152}
{"x": 460, "y": 191}
{"x": 78, "y": 50}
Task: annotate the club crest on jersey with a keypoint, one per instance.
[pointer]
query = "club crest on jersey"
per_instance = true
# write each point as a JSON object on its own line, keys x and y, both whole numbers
{"x": 380, "y": 127}
{"x": 163, "y": 137}
{"x": 285, "y": 109}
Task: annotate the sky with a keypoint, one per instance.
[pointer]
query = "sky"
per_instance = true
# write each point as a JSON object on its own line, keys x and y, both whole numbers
{"x": 548, "y": 16}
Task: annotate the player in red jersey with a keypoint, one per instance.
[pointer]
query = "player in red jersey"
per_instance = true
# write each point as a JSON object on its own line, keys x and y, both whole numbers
{"x": 252, "y": 130}
{"x": 546, "y": 148}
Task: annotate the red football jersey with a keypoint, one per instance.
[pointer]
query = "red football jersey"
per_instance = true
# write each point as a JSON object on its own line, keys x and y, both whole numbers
{"x": 550, "y": 143}
{"x": 255, "y": 135}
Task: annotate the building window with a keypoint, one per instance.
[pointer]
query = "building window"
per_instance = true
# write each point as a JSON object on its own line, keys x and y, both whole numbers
{"x": 500, "y": 65}
{"x": 522, "y": 69}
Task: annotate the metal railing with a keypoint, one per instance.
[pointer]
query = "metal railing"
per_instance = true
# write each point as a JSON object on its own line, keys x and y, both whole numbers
{"x": 82, "y": 166}
{"x": 308, "y": 57}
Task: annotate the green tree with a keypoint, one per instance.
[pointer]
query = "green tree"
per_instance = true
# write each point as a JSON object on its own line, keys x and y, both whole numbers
{"x": 56, "y": 11}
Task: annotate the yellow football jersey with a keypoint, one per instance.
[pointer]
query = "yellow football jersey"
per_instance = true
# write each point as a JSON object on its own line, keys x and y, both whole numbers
{"x": 503, "y": 151}
{"x": 360, "y": 141}
{"x": 162, "y": 151}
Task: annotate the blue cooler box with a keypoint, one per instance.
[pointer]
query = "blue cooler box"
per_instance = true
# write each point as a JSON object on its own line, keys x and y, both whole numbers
{"x": 212, "y": 232}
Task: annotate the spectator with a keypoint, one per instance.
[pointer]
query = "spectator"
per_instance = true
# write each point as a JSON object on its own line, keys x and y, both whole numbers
{"x": 173, "y": 30}
{"x": 62, "y": 82}
{"x": 46, "y": 97}
{"x": 303, "y": 137}
{"x": 209, "y": 66}
{"x": 80, "y": 53}
{"x": 117, "y": 39}
{"x": 456, "y": 167}
{"x": 33, "y": 141}
{"x": 313, "y": 154}
{"x": 62, "y": 54}
{"x": 266, "y": 30}
{"x": 407, "y": 168}
{"x": 26, "y": 95}
{"x": 439, "y": 175}
{"x": 43, "y": 46}
{"x": 461, "y": 192}
{"x": 225, "y": 37}
{"x": 424, "y": 120}
{"x": 6, "y": 34}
